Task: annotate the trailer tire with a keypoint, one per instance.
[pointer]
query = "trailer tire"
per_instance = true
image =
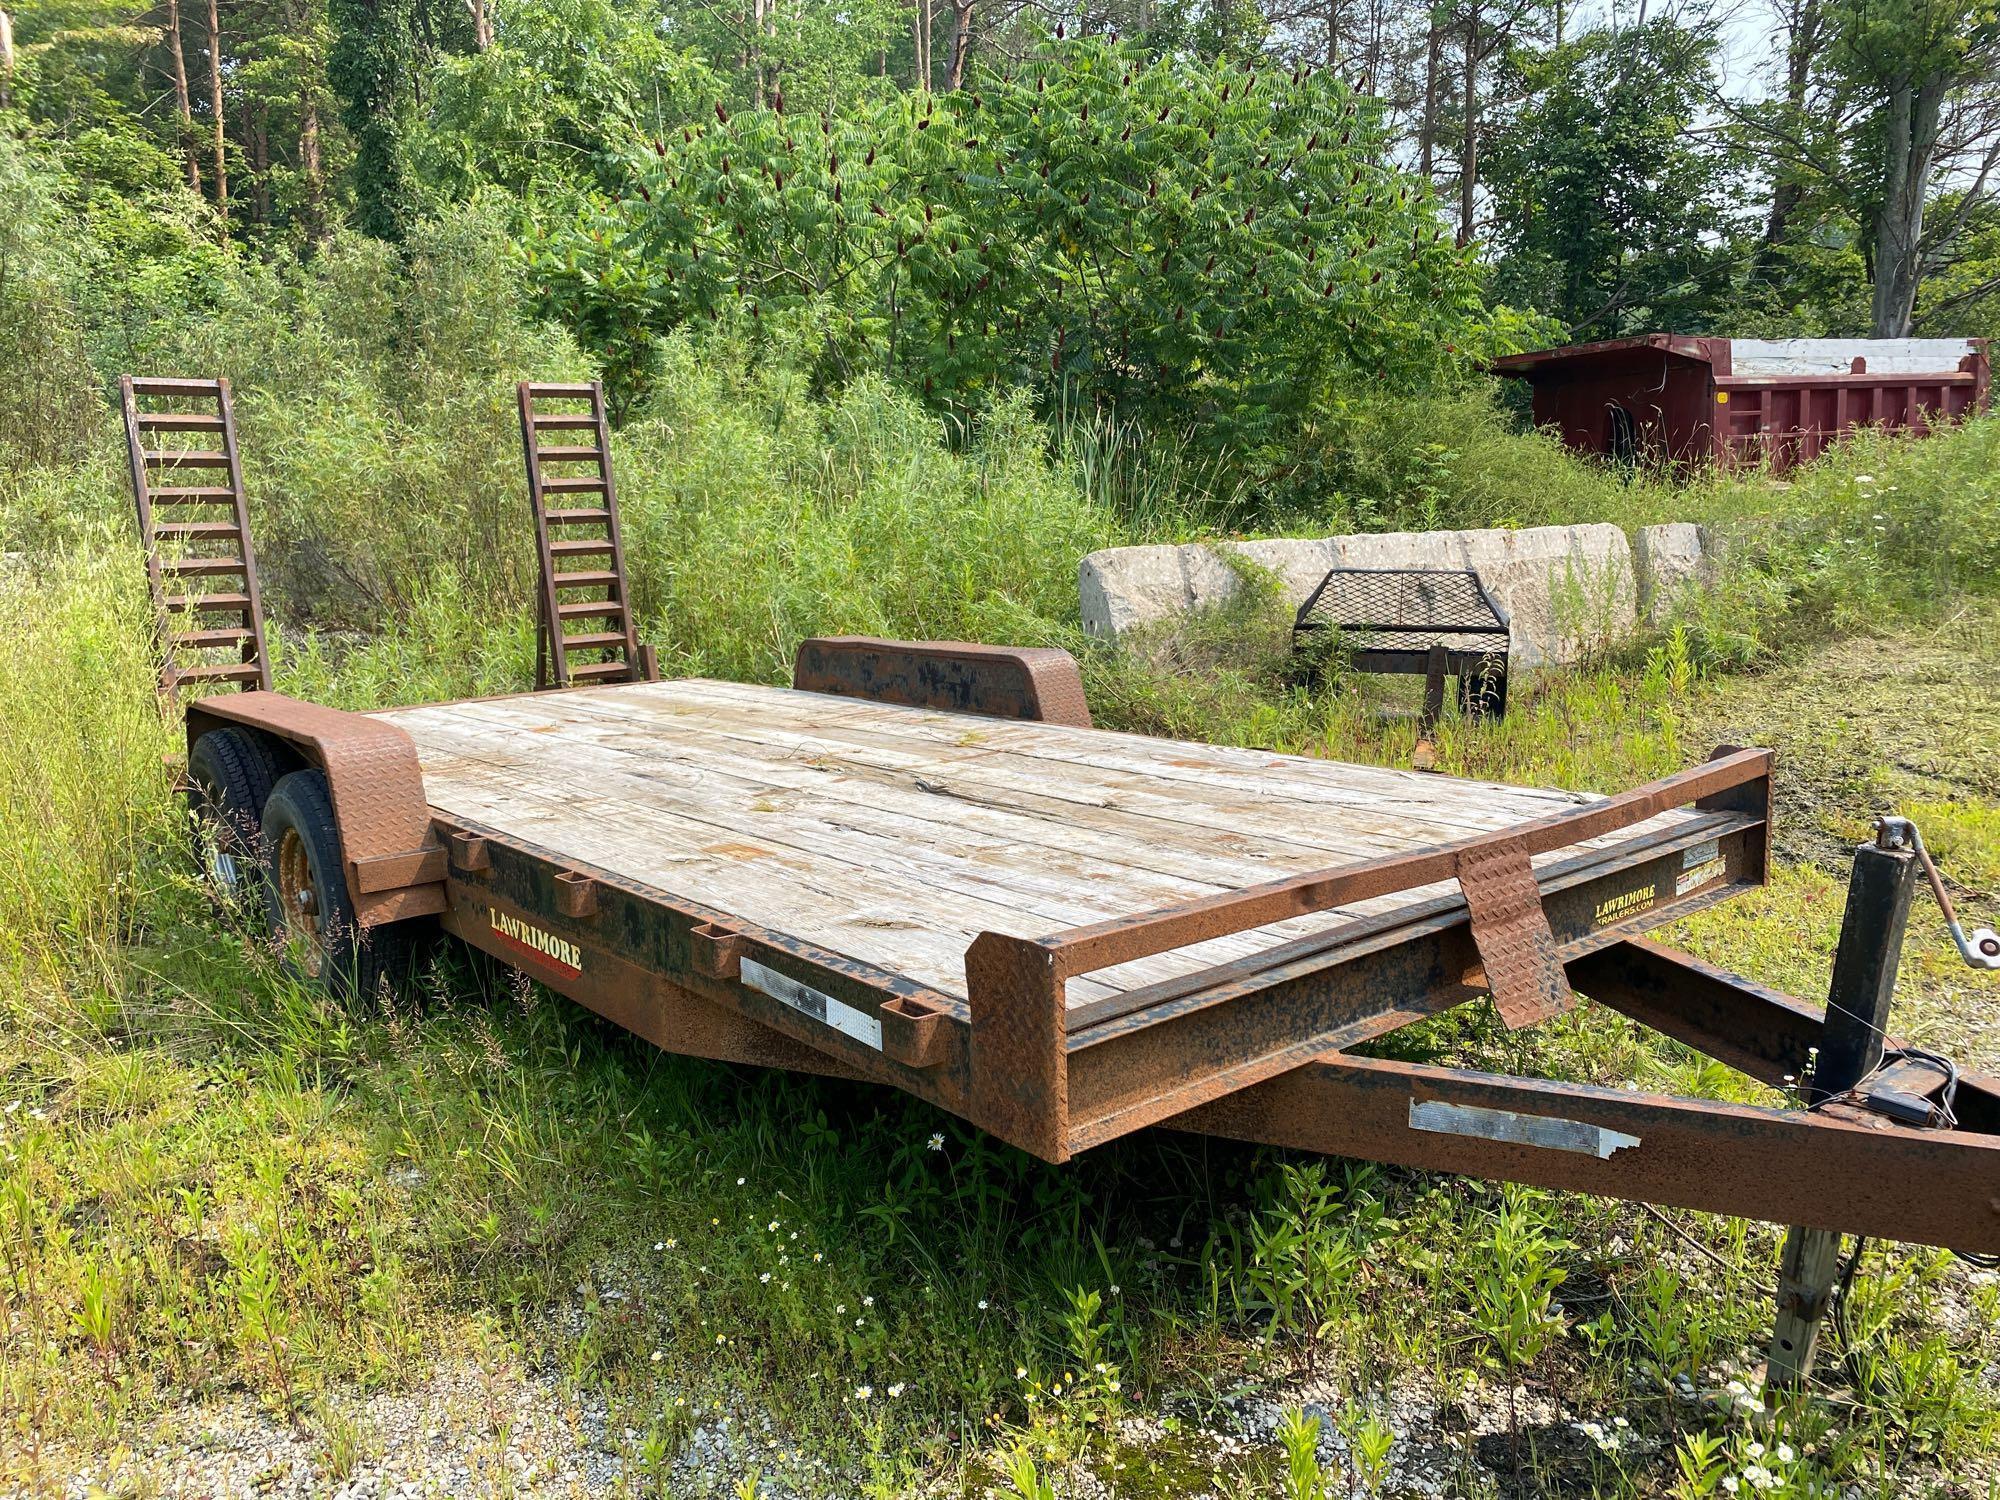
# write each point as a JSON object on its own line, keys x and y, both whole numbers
{"x": 309, "y": 905}
{"x": 230, "y": 774}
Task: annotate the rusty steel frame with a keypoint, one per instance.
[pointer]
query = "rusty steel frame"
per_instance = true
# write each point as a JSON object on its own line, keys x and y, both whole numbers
{"x": 958, "y": 676}
{"x": 1260, "y": 1048}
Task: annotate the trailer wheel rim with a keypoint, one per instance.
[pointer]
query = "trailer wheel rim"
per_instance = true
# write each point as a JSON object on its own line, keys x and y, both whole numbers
{"x": 218, "y": 862}
{"x": 218, "y": 840}
{"x": 298, "y": 901}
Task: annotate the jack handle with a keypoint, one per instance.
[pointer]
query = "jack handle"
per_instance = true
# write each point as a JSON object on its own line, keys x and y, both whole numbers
{"x": 1982, "y": 949}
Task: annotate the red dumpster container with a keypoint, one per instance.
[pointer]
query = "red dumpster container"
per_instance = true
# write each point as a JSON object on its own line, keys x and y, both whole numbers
{"x": 1667, "y": 397}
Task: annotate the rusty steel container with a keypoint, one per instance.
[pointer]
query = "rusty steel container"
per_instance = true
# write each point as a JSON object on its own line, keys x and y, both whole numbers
{"x": 1678, "y": 399}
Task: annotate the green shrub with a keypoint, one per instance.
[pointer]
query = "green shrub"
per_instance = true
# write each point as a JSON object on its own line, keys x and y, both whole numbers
{"x": 1196, "y": 245}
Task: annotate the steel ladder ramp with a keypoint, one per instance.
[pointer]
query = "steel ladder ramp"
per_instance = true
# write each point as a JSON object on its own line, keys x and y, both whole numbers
{"x": 201, "y": 569}
{"x": 578, "y": 544}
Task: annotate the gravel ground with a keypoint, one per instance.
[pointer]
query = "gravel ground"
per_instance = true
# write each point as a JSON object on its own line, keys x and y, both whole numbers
{"x": 471, "y": 1430}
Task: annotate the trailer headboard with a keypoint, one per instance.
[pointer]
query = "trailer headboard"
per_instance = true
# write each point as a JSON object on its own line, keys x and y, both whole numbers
{"x": 1001, "y": 682}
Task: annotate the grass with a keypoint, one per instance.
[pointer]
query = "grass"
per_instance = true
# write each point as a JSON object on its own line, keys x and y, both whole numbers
{"x": 213, "y": 1180}
{"x": 215, "y": 1184}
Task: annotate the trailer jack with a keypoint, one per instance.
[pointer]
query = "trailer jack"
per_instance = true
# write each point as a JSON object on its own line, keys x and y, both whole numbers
{"x": 1859, "y": 1069}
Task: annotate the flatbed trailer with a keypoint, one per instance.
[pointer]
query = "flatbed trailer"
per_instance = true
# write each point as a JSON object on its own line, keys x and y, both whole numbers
{"x": 1062, "y": 934}
{"x": 921, "y": 866}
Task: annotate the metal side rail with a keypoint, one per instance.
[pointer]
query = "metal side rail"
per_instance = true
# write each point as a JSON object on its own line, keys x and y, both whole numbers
{"x": 1057, "y": 1079}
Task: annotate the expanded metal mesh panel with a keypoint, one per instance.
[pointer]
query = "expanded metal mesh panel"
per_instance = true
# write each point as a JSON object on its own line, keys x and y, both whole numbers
{"x": 1405, "y": 609}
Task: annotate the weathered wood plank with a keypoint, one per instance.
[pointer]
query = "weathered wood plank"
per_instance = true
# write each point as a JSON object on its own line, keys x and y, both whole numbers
{"x": 895, "y": 835}
{"x": 686, "y": 830}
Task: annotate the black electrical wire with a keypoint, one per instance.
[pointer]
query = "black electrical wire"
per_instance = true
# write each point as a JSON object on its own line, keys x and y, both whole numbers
{"x": 1944, "y": 1117}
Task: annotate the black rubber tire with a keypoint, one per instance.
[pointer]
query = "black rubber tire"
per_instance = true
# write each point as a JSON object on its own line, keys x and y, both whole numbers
{"x": 230, "y": 776}
{"x": 301, "y": 852}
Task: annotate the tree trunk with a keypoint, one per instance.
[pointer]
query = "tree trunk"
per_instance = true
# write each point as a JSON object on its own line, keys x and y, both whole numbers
{"x": 260, "y": 163}
{"x": 311, "y": 207}
{"x": 182, "y": 108}
{"x": 961, "y": 42}
{"x": 1333, "y": 33}
{"x": 215, "y": 104}
{"x": 1469, "y": 149}
{"x": 6, "y": 60}
{"x": 1787, "y": 192}
{"x": 921, "y": 40}
{"x": 1427, "y": 131}
{"x": 1910, "y": 140}
{"x": 482, "y": 24}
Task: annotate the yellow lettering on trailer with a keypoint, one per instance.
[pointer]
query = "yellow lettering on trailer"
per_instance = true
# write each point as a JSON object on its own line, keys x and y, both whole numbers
{"x": 1632, "y": 902}
{"x": 535, "y": 942}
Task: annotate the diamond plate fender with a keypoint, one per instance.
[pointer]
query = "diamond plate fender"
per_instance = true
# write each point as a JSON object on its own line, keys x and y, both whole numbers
{"x": 395, "y": 868}
{"x": 1001, "y": 682}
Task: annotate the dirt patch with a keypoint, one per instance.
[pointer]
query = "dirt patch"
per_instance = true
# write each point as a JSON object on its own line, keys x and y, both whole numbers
{"x": 1862, "y": 726}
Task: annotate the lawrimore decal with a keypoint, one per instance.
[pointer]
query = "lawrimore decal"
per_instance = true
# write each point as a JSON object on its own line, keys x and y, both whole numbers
{"x": 1629, "y": 904}
{"x": 536, "y": 943}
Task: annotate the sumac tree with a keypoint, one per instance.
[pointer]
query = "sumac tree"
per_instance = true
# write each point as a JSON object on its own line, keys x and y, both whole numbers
{"x": 1201, "y": 246}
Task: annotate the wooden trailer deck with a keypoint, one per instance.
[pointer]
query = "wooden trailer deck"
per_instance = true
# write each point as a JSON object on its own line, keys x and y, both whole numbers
{"x": 894, "y": 836}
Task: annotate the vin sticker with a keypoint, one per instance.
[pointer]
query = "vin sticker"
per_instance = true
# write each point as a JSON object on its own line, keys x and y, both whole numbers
{"x": 1698, "y": 876}
{"x": 1701, "y": 854}
{"x": 808, "y": 1001}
